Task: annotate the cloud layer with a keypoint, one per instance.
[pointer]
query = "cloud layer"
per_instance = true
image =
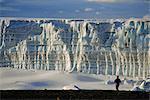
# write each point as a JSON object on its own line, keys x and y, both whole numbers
{"x": 74, "y": 8}
{"x": 117, "y": 1}
{"x": 108, "y": 1}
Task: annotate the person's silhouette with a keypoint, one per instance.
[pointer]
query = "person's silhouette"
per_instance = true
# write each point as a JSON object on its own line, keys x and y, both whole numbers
{"x": 117, "y": 81}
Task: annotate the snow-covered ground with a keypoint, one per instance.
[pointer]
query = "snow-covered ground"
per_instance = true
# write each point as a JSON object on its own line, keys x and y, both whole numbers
{"x": 19, "y": 79}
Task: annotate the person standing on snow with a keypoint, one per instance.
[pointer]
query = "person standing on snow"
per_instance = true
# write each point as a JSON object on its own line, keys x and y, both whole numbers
{"x": 117, "y": 81}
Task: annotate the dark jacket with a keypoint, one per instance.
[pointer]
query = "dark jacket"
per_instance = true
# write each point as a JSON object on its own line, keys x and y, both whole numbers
{"x": 117, "y": 81}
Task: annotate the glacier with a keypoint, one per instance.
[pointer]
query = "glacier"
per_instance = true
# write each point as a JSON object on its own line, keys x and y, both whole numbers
{"x": 108, "y": 47}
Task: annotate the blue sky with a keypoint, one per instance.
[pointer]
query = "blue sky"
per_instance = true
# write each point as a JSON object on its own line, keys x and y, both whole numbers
{"x": 75, "y": 8}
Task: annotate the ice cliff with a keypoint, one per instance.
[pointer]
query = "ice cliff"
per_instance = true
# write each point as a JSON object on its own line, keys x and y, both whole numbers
{"x": 99, "y": 47}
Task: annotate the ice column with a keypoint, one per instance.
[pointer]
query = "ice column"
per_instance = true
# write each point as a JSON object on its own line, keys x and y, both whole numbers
{"x": 67, "y": 59}
{"x": 106, "y": 60}
{"x": 3, "y": 25}
{"x": 112, "y": 62}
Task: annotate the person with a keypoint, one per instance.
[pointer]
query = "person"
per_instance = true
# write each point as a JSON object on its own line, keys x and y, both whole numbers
{"x": 117, "y": 81}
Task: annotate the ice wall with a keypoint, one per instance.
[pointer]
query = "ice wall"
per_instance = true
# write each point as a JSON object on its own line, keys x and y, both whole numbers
{"x": 109, "y": 48}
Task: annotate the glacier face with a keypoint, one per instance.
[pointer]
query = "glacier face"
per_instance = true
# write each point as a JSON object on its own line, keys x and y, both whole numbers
{"x": 97, "y": 47}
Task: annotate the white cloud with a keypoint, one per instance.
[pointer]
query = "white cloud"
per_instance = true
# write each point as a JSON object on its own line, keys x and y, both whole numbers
{"x": 8, "y": 9}
{"x": 97, "y": 12}
{"x": 108, "y": 1}
{"x": 60, "y": 12}
{"x": 77, "y": 11}
{"x": 115, "y": 1}
{"x": 88, "y": 9}
{"x": 35, "y": 2}
{"x": 1, "y": 1}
